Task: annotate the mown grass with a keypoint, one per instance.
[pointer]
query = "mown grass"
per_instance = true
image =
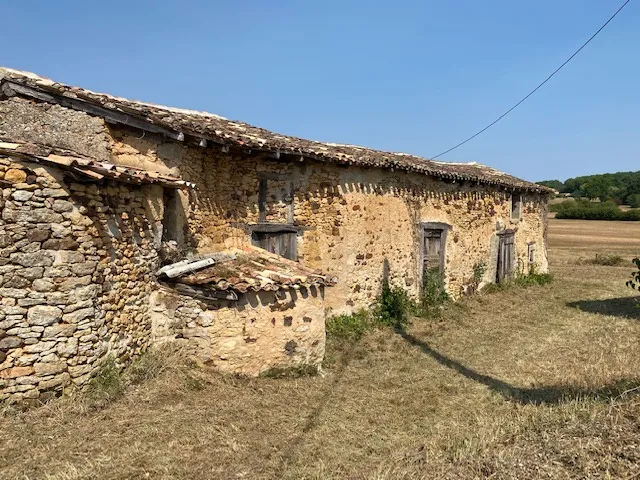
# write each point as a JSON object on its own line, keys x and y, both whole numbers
{"x": 523, "y": 383}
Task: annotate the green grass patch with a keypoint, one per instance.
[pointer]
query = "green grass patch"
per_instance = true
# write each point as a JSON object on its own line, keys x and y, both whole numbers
{"x": 350, "y": 327}
{"x": 533, "y": 278}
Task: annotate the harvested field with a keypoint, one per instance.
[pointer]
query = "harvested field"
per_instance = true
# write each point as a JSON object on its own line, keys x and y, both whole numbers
{"x": 523, "y": 383}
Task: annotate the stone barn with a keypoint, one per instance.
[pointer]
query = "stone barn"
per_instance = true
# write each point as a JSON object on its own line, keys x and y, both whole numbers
{"x": 104, "y": 198}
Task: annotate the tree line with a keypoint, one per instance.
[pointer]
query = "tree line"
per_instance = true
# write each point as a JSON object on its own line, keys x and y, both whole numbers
{"x": 622, "y": 188}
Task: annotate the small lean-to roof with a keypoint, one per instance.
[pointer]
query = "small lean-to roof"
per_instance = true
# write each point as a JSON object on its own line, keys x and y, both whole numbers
{"x": 86, "y": 168}
{"x": 244, "y": 270}
{"x": 177, "y": 124}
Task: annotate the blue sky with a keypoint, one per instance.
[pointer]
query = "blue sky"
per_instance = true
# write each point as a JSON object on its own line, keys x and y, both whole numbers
{"x": 411, "y": 76}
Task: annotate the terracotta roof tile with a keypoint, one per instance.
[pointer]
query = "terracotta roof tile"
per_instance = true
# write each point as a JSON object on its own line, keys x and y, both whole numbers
{"x": 233, "y": 133}
{"x": 249, "y": 269}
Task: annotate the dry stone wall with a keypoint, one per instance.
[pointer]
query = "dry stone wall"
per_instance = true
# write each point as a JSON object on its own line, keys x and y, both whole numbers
{"x": 76, "y": 266}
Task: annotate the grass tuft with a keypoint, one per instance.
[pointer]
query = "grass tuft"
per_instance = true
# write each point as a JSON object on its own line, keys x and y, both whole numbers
{"x": 604, "y": 259}
{"x": 291, "y": 372}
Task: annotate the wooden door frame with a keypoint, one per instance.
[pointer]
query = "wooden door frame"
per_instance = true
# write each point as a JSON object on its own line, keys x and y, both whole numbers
{"x": 423, "y": 226}
{"x": 501, "y": 235}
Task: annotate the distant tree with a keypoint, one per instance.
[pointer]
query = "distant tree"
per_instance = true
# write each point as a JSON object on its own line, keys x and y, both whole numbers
{"x": 633, "y": 200}
{"x": 555, "y": 184}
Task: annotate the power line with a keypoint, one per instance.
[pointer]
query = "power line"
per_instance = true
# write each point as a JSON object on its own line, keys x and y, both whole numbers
{"x": 538, "y": 87}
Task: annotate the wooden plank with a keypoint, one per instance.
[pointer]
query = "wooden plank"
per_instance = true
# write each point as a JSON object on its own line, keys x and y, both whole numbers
{"x": 273, "y": 228}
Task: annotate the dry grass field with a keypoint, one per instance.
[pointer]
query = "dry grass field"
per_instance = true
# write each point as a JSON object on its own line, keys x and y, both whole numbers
{"x": 535, "y": 382}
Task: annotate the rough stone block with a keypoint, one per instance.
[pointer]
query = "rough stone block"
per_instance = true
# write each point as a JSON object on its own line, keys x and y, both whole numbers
{"x": 14, "y": 175}
{"x": 73, "y": 283}
{"x": 62, "y": 206}
{"x": 35, "y": 259}
{"x": 66, "y": 243}
{"x": 8, "y": 343}
{"x": 85, "y": 268}
{"x": 41, "y": 369}
{"x": 43, "y": 285}
{"x": 38, "y": 235}
{"x": 21, "y": 195}
{"x": 79, "y": 315}
{"x": 60, "y": 380}
{"x": 54, "y": 192}
{"x": 64, "y": 257}
{"x": 12, "y": 293}
{"x": 59, "y": 330}
{"x": 43, "y": 315}
{"x": 16, "y": 372}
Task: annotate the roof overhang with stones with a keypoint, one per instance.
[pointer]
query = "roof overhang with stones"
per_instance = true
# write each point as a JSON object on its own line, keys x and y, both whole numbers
{"x": 209, "y": 130}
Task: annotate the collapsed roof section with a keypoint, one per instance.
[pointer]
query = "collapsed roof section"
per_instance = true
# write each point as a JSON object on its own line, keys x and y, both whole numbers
{"x": 238, "y": 271}
{"x": 205, "y": 129}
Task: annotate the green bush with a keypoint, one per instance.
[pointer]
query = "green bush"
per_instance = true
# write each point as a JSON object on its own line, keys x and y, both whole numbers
{"x": 433, "y": 295}
{"x": 393, "y": 307}
{"x": 586, "y": 210}
{"x": 634, "y": 200}
{"x": 350, "y": 327}
{"x": 521, "y": 280}
{"x": 635, "y": 276}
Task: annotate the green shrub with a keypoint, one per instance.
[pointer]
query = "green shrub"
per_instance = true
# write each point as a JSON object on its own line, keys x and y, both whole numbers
{"x": 634, "y": 200}
{"x": 111, "y": 380}
{"x": 433, "y": 295}
{"x": 533, "y": 278}
{"x": 635, "y": 276}
{"x": 350, "y": 327}
{"x": 393, "y": 307}
{"x": 107, "y": 384}
{"x": 521, "y": 279}
{"x": 586, "y": 210}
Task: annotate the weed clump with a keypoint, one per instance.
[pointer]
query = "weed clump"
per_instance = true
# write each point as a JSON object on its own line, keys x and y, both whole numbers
{"x": 393, "y": 308}
{"x": 111, "y": 381}
{"x": 433, "y": 295}
{"x": 521, "y": 279}
{"x": 350, "y": 327}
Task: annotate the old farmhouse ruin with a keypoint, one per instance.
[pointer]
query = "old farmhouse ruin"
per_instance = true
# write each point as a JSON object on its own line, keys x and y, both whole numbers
{"x": 125, "y": 224}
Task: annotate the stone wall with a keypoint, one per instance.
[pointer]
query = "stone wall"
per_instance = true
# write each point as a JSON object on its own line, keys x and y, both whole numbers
{"x": 351, "y": 218}
{"x": 76, "y": 262}
{"x": 76, "y": 269}
{"x": 256, "y": 333}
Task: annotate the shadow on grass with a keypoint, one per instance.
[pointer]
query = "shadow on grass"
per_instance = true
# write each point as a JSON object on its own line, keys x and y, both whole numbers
{"x": 626, "y": 307}
{"x": 537, "y": 396}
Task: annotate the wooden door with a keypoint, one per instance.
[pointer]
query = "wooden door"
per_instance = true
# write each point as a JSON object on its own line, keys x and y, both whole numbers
{"x": 505, "y": 257}
{"x": 432, "y": 250}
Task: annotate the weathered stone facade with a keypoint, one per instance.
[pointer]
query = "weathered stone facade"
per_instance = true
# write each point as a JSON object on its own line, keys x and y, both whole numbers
{"x": 78, "y": 260}
{"x": 351, "y": 218}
